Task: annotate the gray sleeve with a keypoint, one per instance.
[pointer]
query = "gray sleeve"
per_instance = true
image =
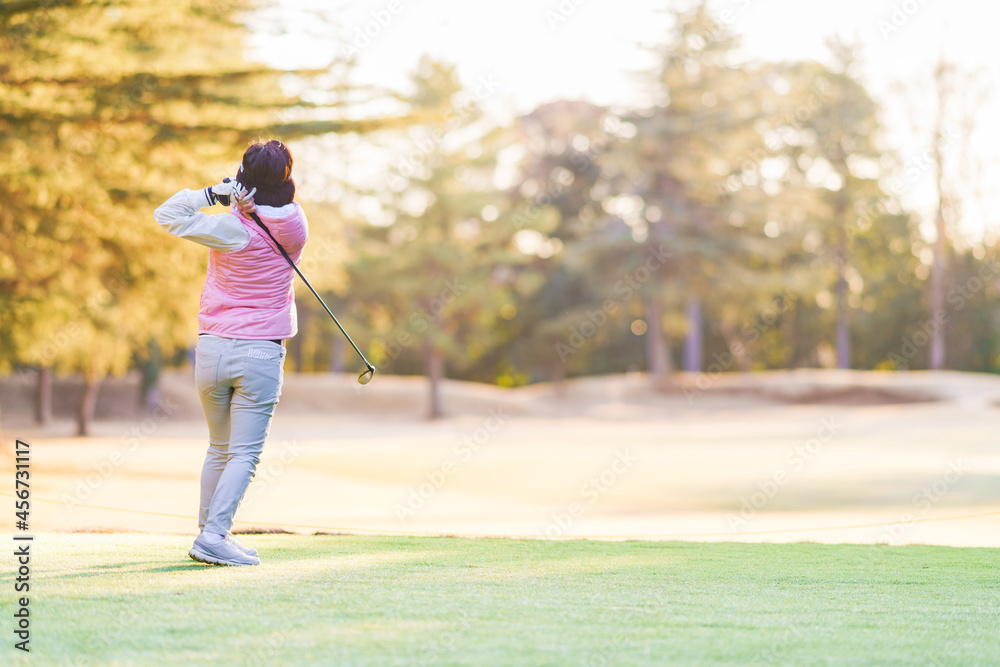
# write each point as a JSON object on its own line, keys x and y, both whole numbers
{"x": 181, "y": 216}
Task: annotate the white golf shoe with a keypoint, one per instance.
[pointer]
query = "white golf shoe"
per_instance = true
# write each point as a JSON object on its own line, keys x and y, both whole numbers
{"x": 223, "y": 553}
{"x": 247, "y": 550}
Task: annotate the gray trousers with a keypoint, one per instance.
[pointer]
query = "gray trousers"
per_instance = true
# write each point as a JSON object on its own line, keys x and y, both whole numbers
{"x": 239, "y": 382}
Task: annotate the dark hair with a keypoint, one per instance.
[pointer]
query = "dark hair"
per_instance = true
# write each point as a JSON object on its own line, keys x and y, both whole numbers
{"x": 267, "y": 166}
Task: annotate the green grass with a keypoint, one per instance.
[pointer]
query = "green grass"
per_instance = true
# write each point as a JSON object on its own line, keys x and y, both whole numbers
{"x": 333, "y": 600}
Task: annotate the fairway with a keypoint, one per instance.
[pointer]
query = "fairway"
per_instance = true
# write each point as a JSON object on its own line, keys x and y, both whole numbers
{"x": 691, "y": 470}
{"x": 344, "y": 600}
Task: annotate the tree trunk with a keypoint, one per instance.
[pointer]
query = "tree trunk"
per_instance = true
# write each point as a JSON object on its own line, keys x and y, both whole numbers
{"x": 843, "y": 341}
{"x": 88, "y": 402}
{"x": 43, "y": 397}
{"x": 960, "y": 96}
{"x": 435, "y": 372}
{"x": 149, "y": 395}
{"x": 843, "y": 327}
{"x": 337, "y": 353}
{"x": 939, "y": 267}
{"x": 693, "y": 340}
{"x": 657, "y": 352}
{"x": 737, "y": 347}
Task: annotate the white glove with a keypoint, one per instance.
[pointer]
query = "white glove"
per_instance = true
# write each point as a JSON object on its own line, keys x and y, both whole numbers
{"x": 221, "y": 193}
{"x": 244, "y": 199}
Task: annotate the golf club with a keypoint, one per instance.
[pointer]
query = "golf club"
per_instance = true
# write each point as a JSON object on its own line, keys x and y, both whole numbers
{"x": 366, "y": 375}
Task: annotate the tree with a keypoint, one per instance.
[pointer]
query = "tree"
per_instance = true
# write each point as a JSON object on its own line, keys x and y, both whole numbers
{"x": 104, "y": 112}
{"x": 551, "y": 171}
{"x": 959, "y": 95}
{"x": 433, "y": 273}
{"x": 673, "y": 172}
{"x": 835, "y": 147}
{"x": 91, "y": 108}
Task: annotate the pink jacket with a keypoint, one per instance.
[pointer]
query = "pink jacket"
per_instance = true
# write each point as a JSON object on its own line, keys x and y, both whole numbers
{"x": 248, "y": 292}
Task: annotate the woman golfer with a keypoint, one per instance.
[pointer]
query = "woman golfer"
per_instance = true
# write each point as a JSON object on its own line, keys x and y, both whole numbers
{"x": 247, "y": 311}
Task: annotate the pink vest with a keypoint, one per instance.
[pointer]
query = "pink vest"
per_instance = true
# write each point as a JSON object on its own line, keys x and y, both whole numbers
{"x": 248, "y": 293}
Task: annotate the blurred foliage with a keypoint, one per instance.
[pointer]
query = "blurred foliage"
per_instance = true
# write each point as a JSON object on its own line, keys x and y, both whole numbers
{"x": 106, "y": 109}
{"x": 436, "y": 277}
{"x": 741, "y": 220}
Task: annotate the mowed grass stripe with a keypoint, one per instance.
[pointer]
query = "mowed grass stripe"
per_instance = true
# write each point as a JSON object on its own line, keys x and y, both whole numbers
{"x": 350, "y": 600}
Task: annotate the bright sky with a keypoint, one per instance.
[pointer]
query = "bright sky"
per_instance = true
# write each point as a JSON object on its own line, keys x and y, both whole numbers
{"x": 591, "y": 50}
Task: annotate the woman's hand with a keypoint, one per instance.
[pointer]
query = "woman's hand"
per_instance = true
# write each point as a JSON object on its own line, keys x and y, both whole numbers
{"x": 233, "y": 191}
{"x": 243, "y": 199}
{"x": 220, "y": 194}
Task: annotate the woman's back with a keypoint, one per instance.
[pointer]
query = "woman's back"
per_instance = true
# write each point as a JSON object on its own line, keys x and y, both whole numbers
{"x": 248, "y": 292}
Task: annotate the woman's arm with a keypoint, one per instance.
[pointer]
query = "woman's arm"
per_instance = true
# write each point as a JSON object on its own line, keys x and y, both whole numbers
{"x": 181, "y": 216}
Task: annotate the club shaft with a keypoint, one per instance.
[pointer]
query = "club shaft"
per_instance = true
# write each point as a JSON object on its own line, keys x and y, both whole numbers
{"x": 329, "y": 312}
{"x": 314, "y": 292}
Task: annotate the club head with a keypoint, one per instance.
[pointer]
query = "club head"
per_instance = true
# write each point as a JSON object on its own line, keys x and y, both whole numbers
{"x": 366, "y": 376}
